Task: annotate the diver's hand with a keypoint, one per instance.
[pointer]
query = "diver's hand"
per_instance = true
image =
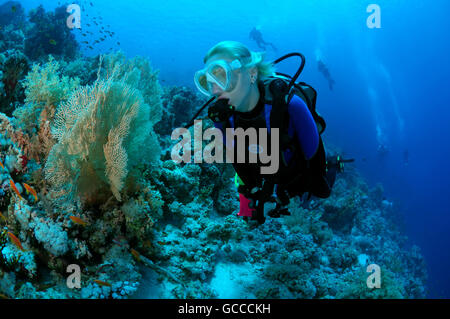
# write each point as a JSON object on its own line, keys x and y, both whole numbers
{"x": 220, "y": 111}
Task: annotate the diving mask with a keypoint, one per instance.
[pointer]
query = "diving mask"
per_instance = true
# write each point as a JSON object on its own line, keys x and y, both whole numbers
{"x": 219, "y": 72}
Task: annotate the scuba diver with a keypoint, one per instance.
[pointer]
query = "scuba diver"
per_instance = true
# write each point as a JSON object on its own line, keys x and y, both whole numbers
{"x": 382, "y": 150}
{"x": 248, "y": 93}
{"x": 405, "y": 157}
{"x": 326, "y": 73}
{"x": 256, "y": 35}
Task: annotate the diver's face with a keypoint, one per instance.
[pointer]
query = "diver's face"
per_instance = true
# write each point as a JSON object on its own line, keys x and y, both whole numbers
{"x": 238, "y": 96}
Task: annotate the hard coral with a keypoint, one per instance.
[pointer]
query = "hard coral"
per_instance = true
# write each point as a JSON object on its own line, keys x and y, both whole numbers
{"x": 50, "y": 35}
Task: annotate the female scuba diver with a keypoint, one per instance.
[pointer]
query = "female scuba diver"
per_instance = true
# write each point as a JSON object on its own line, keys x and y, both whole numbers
{"x": 248, "y": 93}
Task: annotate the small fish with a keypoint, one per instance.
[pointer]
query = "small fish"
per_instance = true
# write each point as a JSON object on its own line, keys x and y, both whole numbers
{"x": 85, "y": 42}
{"x": 13, "y": 186}
{"x": 102, "y": 283}
{"x": 13, "y": 9}
{"x": 78, "y": 220}
{"x": 15, "y": 241}
{"x": 90, "y": 47}
{"x": 162, "y": 243}
{"x": 91, "y": 4}
{"x": 84, "y": 34}
{"x": 30, "y": 189}
{"x": 118, "y": 43}
{"x": 2, "y": 296}
{"x": 135, "y": 254}
{"x": 3, "y": 217}
{"x": 102, "y": 268}
{"x": 1, "y": 165}
{"x": 52, "y": 42}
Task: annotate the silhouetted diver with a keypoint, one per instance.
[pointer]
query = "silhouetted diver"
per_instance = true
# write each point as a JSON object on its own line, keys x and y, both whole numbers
{"x": 256, "y": 35}
{"x": 326, "y": 73}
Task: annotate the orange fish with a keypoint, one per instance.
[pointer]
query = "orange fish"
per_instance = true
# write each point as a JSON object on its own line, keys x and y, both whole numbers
{"x": 13, "y": 186}
{"x": 15, "y": 241}
{"x": 78, "y": 220}
{"x": 102, "y": 283}
{"x": 2, "y": 216}
{"x": 30, "y": 189}
{"x": 103, "y": 266}
{"x": 135, "y": 254}
{"x": 162, "y": 243}
{"x": 1, "y": 165}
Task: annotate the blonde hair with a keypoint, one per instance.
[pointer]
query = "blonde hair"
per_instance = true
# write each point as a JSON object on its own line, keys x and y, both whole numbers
{"x": 248, "y": 58}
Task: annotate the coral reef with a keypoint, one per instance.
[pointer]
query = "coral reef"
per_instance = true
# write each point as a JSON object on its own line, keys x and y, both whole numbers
{"x": 98, "y": 132}
{"x": 14, "y": 66}
{"x": 11, "y": 12}
{"x": 179, "y": 104}
{"x": 300, "y": 256}
{"x": 86, "y": 180}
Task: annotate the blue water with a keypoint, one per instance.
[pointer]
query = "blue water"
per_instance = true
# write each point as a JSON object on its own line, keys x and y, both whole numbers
{"x": 394, "y": 79}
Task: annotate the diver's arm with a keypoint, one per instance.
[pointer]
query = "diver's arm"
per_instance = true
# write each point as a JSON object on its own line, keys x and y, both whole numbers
{"x": 304, "y": 126}
{"x": 244, "y": 203}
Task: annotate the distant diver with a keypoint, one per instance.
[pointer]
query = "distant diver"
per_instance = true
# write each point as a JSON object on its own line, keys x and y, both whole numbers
{"x": 405, "y": 157}
{"x": 326, "y": 73}
{"x": 256, "y": 35}
{"x": 382, "y": 150}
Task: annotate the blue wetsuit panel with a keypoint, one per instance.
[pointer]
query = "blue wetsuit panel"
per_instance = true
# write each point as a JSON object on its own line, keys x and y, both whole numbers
{"x": 304, "y": 126}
